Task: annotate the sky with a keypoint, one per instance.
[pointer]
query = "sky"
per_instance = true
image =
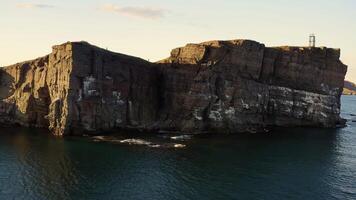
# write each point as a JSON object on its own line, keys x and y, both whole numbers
{"x": 151, "y": 28}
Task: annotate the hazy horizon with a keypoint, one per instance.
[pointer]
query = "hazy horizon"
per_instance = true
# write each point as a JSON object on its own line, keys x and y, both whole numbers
{"x": 150, "y": 29}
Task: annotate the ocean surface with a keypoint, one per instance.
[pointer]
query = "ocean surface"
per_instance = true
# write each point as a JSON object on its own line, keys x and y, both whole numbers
{"x": 286, "y": 164}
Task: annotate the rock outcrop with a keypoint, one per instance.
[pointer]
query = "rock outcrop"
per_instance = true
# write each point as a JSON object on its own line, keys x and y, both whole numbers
{"x": 218, "y": 86}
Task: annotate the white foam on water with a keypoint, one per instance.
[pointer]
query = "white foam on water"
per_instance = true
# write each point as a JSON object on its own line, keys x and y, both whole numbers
{"x": 182, "y": 137}
{"x": 141, "y": 142}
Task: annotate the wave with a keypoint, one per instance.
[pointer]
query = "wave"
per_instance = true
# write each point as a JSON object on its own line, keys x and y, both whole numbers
{"x": 136, "y": 141}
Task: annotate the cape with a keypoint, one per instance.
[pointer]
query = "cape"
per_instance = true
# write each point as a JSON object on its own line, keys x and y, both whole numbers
{"x": 217, "y": 86}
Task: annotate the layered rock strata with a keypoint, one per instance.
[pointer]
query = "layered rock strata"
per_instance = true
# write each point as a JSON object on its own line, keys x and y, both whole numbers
{"x": 218, "y": 86}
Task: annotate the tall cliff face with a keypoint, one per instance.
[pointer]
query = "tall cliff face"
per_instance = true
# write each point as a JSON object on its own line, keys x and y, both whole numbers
{"x": 24, "y": 93}
{"x": 217, "y": 86}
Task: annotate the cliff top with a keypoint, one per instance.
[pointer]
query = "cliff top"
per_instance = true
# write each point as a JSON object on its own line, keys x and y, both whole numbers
{"x": 240, "y": 42}
{"x": 332, "y": 52}
{"x": 193, "y": 53}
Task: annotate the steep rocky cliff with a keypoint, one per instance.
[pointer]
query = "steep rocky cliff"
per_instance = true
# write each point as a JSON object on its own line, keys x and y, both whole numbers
{"x": 217, "y": 86}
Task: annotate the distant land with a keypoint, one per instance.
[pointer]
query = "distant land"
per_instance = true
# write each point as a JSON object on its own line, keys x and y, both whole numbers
{"x": 349, "y": 88}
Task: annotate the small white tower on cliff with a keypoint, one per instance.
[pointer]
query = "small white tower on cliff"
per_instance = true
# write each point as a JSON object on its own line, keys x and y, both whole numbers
{"x": 312, "y": 40}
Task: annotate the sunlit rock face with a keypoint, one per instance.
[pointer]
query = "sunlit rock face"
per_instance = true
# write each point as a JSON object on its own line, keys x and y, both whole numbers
{"x": 218, "y": 86}
{"x": 242, "y": 85}
{"x": 24, "y": 93}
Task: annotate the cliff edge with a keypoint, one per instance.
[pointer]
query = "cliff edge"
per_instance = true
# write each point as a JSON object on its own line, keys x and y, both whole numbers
{"x": 217, "y": 86}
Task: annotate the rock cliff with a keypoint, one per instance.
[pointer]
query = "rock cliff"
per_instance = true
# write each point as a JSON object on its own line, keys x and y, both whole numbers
{"x": 217, "y": 86}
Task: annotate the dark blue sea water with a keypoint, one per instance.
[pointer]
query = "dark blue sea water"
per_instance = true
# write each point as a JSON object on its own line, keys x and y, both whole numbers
{"x": 286, "y": 164}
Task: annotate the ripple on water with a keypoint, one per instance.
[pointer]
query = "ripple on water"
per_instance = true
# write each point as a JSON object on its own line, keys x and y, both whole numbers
{"x": 288, "y": 164}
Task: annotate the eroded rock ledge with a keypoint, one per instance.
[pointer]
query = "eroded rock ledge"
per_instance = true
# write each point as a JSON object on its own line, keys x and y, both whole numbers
{"x": 217, "y": 86}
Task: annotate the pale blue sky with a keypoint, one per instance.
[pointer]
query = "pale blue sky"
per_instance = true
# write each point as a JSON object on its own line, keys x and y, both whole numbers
{"x": 151, "y": 28}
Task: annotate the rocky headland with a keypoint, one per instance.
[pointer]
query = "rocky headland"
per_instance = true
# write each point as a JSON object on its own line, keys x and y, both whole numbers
{"x": 217, "y": 86}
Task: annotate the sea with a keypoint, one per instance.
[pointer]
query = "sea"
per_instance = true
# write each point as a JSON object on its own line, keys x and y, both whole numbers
{"x": 294, "y": 163}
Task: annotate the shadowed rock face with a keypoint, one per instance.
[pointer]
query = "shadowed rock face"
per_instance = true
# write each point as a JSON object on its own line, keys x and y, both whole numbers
{"x": 217, "y": 86}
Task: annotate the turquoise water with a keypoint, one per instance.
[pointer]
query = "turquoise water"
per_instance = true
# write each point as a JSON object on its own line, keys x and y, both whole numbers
{"x": 287, "y": 164}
